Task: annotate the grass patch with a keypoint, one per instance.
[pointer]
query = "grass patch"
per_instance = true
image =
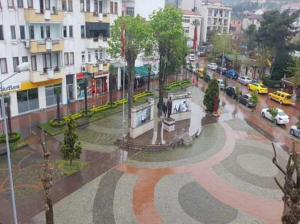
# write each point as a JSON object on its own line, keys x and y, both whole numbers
{"x": 179, "y": 85}
{"x": 67, "y": 169}
{"x": 18, "y": 145}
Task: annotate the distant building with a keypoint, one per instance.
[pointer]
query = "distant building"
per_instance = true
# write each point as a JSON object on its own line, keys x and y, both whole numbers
{"x": 142, "y": 8}
{"x": 251, "y": 20}
{"x": 293, "y": 7}
{"x": 216, "y": 17}
{"x": 189, "y": 29}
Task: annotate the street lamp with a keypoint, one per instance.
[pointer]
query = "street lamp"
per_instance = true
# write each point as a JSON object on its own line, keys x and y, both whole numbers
{"x": 20, "y": 68}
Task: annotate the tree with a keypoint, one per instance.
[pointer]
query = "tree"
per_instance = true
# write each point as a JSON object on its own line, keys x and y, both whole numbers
{"x": 112, "y": 72}
{"x": 138, "y": 38}
{"x": 211, "y": 93}
{"x": 276, "y": 32}
{"x": 251, "y": 35}
{"x": 222, "y": 43}
{"x": 196, "y": 23}
{"x": 294, "y": 69}
{"x": 274, "y": 112}
{"x": 263, "y": 60}
{"x": 168, "y": 32}
{"x": 71, "y": 148}
{"x": 254, "y": 98}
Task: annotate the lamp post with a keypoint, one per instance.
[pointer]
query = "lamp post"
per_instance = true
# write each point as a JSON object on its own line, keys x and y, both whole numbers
{"x": 20, "y": 68}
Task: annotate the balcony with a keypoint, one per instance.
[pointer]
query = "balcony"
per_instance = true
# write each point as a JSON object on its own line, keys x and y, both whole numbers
{"x": 92, "y": 68}
{"x": 46, "y": 75}
{"x": 91, "y": 17}
{"x": 96, "y": 43}
{"x": 46, "y": 46}
{"x": 31, "y": 16}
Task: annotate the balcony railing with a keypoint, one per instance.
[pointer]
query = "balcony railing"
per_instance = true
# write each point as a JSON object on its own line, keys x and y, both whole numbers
{"x": 93, "y": 17}
{"x": 46, "y": 46}
{"x": 95, "y": 43}
{"x": 46, "y": 74}
{"x": 31, "y": 16}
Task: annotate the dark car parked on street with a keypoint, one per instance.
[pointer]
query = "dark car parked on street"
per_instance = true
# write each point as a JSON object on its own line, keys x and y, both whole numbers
{"x": 246, "y": 100}
{"x": 232, "y": 74}
{"x": 231, "y": 91}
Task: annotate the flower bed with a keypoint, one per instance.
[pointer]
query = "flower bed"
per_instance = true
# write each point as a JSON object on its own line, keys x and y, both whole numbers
{"x": 57, "y": 123}
{"x": 13, "y": 137}
{"x": 179, "y": 85}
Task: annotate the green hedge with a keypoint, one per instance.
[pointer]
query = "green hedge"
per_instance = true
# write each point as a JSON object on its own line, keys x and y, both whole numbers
{"x": 272, "y": 83}
{"x": 13, "y": 137}
{"x": 179, "y": 85}
{"x": 95, "y": 113}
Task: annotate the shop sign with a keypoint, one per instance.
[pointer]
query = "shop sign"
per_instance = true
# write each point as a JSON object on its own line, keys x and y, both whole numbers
{"x": 80, "y": 76}
{"x": 30, "y": 85}
{"x": 99, "y": 75}
{"x": 10, "y": 87}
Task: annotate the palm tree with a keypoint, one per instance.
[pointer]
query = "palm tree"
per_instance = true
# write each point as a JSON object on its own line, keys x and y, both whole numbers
{"x": 112, "y": 73}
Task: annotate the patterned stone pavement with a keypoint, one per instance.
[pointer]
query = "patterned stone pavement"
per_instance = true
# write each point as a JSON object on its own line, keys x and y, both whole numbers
{"x": 227, "y": 178}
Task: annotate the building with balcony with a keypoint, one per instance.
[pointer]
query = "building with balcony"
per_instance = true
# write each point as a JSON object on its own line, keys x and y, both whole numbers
{"x": 65, "y": 41}
{"x": 216, "y": 18}
{"x": 192, "y": 20}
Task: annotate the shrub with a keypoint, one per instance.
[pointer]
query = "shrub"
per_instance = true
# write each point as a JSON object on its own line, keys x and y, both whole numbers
{"x": 13, "y": 137}
{"x": 57, "y": 123}
{"x": 210, "y": 94}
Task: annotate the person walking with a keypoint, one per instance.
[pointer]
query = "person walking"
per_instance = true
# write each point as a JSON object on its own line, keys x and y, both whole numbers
{"x": 169, "y": 107}
{"x": 165, "y": 109}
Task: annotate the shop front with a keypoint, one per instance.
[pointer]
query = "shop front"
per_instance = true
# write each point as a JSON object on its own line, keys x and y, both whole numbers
{"x": 82, "y": 80}
{"x": 100, "y": 83}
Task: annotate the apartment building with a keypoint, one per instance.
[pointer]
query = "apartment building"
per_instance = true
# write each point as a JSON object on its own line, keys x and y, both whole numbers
{"x": 191, "y": 20}
{"x": 142, "y": 8}
{"x": 216, "y": 17}
{"x": 65, "y": 41}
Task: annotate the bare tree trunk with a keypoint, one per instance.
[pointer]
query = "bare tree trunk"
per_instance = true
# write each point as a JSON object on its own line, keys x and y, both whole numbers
{"x": 131, "y": 76}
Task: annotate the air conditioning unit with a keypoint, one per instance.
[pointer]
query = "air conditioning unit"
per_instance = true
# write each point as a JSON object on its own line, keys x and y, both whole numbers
{"x": 47, "y": 15}
{"x": 27, "y": 44}
{"x": 50, "y": 73}
{"x": 100, "y": 67}
{"x": 100, "y": 17}
{"x": 48, "y": 44}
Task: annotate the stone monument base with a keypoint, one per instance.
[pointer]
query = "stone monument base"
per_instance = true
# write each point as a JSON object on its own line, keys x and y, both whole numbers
{"x": 135, "y": 132}
{"x": 169, "y": 124}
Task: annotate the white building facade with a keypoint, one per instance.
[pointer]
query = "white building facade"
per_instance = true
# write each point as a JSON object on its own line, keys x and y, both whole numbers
{"x": 189, "y": 18}
{"x": 65, "y": 41}
{"x": 216, "y": 17}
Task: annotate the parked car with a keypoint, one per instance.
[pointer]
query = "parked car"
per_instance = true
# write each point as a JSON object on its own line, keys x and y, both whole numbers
{"x": 212, "y": 66}
{"x": 201, "y": 73}
{"x": 258, "y": 87}
{"x": 232, "y": 74}
{"x": 281, "y": 97}
{"x": 281, "y": 117}
{"x": 231, "y": 91}
{"x": 295, "y": 131}
{"x": 221, "y": 84}
{"x": 192, "y": 57}
{"x": 246, "y": 100}
{"x": 208, "y": 76}
{"x": 245, "y": 80}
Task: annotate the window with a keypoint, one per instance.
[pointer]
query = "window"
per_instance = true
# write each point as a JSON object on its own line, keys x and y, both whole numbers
{"x": 88, "y": 5}
{"x": 15, "y": 63}
{"x": 10, "y": 3}
{"x": 186, "y": 30}
{"x": 71, "y": 31}
{"x": 71, "y": 58}
{"x": 1, "y": 33}
{"x": 89, "y": 56}
{"x": 20, "y": 3}
{"x": 116, "y": 7}
{"x": 66, "y": 58}
{"x": 100, "y": 7}
{"x": 30, "y": 3}
{"x": 82, "y": 31}
{"x": 130, "y": 11}
{"x": 70, "y": 4}
{"x": 24, "y": 59}
{"x": 65, "y": 32}
{"x": 111, "y": 7}
{"x": 42, "y": 32}
{"x": 186, "y": 20}
{"x": 83, "y": 57}
{"x": 13, "y": 32}
{"x": 3, "y": 65}
{"x": 33, "y": 63}
{"x": 48, "y": 32}
{"x": 28, "y": 100}
{"x": 51, "y": 94}
{"x": 47, "y": 4}
{"x": 22, "y": 32}
{"x": 31, "y": 32}
{"x": 81, "y": 5}
{"x": 64, "y": 5}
